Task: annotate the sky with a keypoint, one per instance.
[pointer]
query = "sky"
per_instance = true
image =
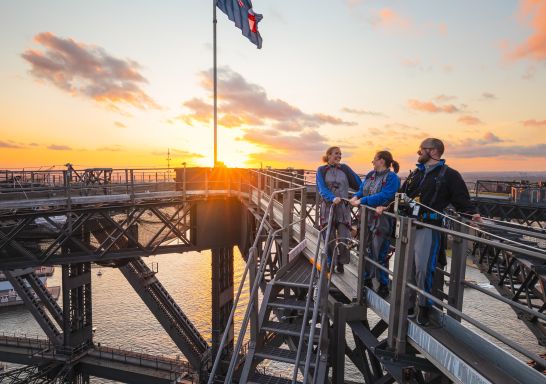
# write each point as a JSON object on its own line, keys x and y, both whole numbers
{"x": 120, "y": 83}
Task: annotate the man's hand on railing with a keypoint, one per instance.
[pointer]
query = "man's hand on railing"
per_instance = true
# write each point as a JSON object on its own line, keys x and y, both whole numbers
{"x": 379, "y": 210}
{"x": 355, "y": 202}
{"x": 336, "y": 200}
{"x": 476, "y": 219}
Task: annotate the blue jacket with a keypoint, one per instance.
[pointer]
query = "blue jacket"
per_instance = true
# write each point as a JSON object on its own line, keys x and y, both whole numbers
{"x": 382, "y": 197}
{"x": 352, "y": 177}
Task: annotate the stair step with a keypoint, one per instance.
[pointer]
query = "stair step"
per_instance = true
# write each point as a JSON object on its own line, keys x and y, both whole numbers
{"x": 267, "y": 379}
{"x": 289, "y": 329}
{"x": 288, "y": 304}
{"x": 291, "y": 284}
{"x": 283, "y": 355}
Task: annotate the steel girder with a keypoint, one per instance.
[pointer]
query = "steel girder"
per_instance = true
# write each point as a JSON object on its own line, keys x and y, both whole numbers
{"x": 523, "y": 214}
{"x": 43, "y": 237}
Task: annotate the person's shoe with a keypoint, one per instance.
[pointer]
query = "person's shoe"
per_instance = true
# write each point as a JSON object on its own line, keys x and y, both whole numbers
{"x": 368, "y": 283}
{"x": 411, "y": 313}
{"x": 383, "y": 291}
{"x": 422, "y": 316}
{"x": 340, "y": 268}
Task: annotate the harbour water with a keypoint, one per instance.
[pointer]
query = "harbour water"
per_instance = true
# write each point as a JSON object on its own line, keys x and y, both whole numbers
{"x": 123, "y": 321}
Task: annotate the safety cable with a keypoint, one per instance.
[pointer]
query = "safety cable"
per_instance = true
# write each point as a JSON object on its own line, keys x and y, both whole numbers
{"x": 511, "y": 224}
{"x": 408, "y": 199}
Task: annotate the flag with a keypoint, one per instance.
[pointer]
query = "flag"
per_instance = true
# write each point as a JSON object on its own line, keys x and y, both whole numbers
{"x": 241, "y": 13}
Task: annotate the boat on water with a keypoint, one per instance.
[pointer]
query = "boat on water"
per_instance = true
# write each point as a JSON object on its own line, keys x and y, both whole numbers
{"x": 9, "y": 297}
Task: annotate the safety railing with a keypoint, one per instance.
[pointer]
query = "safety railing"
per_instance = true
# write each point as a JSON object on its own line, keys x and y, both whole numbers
{"x": 403, "y": 283}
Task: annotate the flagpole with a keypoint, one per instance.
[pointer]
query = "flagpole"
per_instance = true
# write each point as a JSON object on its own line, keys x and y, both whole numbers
{"x": 214, "y": 83}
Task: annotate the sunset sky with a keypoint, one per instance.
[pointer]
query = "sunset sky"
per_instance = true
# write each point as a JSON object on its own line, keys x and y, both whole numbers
{"x": 117, "y": 83}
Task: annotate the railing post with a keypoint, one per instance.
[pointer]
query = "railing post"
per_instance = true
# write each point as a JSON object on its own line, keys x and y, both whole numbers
{"x": 303, "y": 212}
{"x": 259, "y": 190}
{"x": 362, "y": 252}
{"x": 403, "y": 267}
{"x": 131, "y": 173}
{"x": 317, "y": 207}
{"x": 240, "y": 189}
{"x": 184, "y": 186}
{"x": 287, "y": 216}
{"x": 458, "y": 269}
{"x": 206, "y": 183}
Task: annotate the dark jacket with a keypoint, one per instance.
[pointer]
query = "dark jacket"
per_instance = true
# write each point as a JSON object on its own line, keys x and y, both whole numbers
{"x": 451, "y": 189}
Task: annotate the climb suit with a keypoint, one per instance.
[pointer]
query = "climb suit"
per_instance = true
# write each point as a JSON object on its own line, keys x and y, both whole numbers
{"x": 334, "y": 181}
{"x": 437, "y": 187}
{"x": 378, "y": 188}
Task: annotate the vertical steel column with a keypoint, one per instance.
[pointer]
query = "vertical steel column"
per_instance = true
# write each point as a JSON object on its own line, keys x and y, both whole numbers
{"x": 338, "y": 346}
{"x": 252, "y": 272}
{"x": 222, "y": 296}
{"x": 303, "y": 213}
{"x": 403, "y": 267}
{"x": 77, "y": 309}
{"x": 362, "y": 252}
{"x": 458, "y": 270}
{"x": 287, "y": 212}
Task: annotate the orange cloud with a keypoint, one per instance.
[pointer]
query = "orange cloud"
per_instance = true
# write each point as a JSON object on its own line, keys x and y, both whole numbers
{"x": 356, "y": 111}
{"x": 534, "y": 123}
{"x": 242, "y": 103}
{"x": 532, "y": 13}
{"x": 390, "y": 19}
{"x": 428, "y": 106}
{"x": 88, "y": 71}
{"x": 469, "y": 120}
{"x": 56, "y": 147}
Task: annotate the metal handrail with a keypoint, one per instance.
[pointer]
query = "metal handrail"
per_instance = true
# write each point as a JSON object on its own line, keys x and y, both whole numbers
{"x": 538, "y": 359}
{"x": 459, "y": 313}
{"x": 319, "y": 296}
{"x": 310, "y": 288}
{"x": 251, "y": 298}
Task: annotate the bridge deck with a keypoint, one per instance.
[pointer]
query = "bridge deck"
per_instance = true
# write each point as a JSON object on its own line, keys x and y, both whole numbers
{"x": 101, "y": 361}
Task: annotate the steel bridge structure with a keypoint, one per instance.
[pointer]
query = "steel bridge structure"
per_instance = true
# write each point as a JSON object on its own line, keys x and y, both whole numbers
{"x": 308, "y": 319}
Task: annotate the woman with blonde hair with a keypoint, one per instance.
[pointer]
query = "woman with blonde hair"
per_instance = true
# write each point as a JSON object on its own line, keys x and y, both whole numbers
{"x": 334, "y": 180}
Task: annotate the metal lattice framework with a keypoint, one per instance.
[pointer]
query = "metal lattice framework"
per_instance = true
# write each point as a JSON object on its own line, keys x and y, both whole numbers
{"x": 107, "y": 232}
{"x": 51, "y": 373}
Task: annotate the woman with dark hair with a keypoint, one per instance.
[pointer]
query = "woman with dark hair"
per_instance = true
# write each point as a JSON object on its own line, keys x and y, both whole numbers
{"x": 378, "y": 189}
{"x": 333, "y": 181}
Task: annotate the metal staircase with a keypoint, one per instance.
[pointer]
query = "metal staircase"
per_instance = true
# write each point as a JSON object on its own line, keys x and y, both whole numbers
{"x": 167, "y": 312}
{"x": 46, "y": 298}
{"x": 23, "y": 281}
{"x": 284, "y": 317}
{"x": 289, "y": 329}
